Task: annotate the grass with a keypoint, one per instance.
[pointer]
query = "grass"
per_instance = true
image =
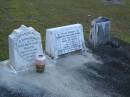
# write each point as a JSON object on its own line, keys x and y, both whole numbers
{"x": 43, "y": 14}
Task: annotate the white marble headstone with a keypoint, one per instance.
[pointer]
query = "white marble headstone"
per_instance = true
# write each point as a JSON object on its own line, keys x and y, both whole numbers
{"x": 65, "y": 39}
{"x": 24, "y": 44}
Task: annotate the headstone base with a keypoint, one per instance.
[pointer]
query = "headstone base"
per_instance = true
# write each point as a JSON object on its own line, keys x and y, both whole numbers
{"x": 54, "y": 60}
{"x": 9, "y": 67}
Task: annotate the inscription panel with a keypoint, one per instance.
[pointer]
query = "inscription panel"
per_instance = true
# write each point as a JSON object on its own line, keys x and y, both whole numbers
{"x": 68, "y": 41}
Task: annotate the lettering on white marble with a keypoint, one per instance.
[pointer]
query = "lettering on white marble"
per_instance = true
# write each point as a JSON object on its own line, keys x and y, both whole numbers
{"x": 64, "y": 39}
{"x": 24, "y": 44}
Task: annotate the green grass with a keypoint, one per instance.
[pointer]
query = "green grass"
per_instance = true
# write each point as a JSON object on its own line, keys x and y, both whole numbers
{"x": 43, "y": 14}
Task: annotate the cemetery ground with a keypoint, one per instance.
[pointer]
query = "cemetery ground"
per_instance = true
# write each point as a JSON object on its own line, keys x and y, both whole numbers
{"x": 103, "y": 72}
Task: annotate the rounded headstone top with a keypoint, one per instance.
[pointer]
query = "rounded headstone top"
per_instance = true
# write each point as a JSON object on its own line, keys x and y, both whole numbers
{"x": 31, "y": 29}
{"x": 23, "y": 26}
{"x": 101, "y": 19}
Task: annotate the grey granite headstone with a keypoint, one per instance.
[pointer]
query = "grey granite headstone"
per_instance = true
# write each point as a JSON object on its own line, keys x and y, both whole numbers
{"x": 100, "y": 31}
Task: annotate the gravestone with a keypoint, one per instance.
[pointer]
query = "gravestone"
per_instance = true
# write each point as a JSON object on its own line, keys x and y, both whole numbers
{"x": 24, "y": 44}
{"x": 65, "y": 39}
{"x": 118, "y": 2}
{"x": 100, "y": 31}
